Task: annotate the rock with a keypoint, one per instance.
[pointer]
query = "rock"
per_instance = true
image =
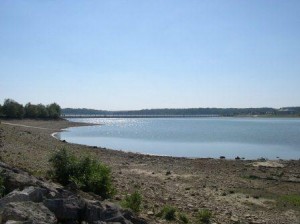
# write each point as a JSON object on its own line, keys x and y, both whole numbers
{"x": 150, "y": 213}
{"x": 27, "y": 212}
{"x": 111, "y": 212}
{"x": 34, "y": 194}
{"x": 94, "y": 211}
{"x": 18, "y": 180}
{"x": 118, "y": 198}
{"x": 65, "y": 209}
{"x": 234, "y": 219}
{"x": 132, "y": 218}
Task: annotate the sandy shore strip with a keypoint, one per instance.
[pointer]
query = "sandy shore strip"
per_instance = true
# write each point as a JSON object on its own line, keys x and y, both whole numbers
{"x": 234, "y": 190}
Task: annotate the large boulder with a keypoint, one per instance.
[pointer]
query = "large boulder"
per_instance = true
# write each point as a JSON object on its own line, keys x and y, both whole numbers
{"x": 94, "y": 211}
{"x": 113, "y": 213}
{"x": 65, "y": 209}
{"x": 27, "y": 212}
{"x": 34, "y": 194}
{"x": 19, "y": 179}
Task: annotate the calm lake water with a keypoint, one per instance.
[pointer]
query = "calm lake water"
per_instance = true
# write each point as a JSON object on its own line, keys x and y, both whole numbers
{"x": 251, "y": 138}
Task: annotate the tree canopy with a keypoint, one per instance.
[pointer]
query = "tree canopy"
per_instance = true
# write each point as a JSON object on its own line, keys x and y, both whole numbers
{"x": 12, "y": 109}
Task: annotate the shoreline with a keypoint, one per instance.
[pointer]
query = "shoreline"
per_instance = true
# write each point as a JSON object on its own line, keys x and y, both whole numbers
{"x": 231, "y": 189}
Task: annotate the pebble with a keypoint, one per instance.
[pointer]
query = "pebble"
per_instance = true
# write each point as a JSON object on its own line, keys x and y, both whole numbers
{"x": 150, "y": 213}
{"x": 234, "y": 219}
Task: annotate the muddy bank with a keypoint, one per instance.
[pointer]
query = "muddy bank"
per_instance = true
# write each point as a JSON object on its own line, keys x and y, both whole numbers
{"x": 234, "y": 190}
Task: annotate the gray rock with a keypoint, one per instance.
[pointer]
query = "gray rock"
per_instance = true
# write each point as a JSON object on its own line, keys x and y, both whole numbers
{"x": 234, "y": 219}
{"x": 94, "y": 211}
{"x": 132, "y": 218}
{"x": 65, "y": 209}
{"x": 111, "y": 211}
{"x": 27, "y": 212}
{"x": 34, "y": 194}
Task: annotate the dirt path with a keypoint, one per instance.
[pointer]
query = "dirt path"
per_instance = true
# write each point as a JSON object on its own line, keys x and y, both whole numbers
{"x": 27, "y": 126}
{"x": 235, "y": 191}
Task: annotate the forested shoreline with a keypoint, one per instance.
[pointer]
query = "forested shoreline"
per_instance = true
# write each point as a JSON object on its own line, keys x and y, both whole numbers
{"x": 265, "y": 111}
{"x": 12, "y": 109}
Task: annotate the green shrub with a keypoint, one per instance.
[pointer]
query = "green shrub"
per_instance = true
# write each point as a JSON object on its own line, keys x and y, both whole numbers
{"x": 183, "y": 218}
{"x": 86, "y": 173}
{"x": 64, "y": 165}
{"x": 133, "y": 202}
{"x": 204, "y": 216}
{"x": 168, "y": 213}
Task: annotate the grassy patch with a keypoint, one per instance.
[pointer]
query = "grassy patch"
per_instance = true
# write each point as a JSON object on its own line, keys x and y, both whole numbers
{"x": 170, "y": 213}
{"x": 183, "y": 218}
{"x": 204, "y": 216}
{"x": 289, "y": 200}
{"x": 133, "y": 202}
{"x": 167, "y": 213}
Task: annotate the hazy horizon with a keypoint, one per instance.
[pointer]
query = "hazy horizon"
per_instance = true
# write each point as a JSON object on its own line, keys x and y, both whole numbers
{"x": 171, "y": 108}
{"x": 133, "y": 55}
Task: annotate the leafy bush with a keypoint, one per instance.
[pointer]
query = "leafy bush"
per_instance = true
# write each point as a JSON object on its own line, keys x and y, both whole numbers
{"x": 168, "y": 213}
{"x": 204, "y": 216}
{"x": 133, "y": 201}
{"x": 86, "y": 173}
{"x": 64, "y": 165}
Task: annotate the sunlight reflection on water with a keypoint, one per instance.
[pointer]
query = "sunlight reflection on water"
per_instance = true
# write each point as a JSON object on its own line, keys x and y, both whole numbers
{"x": 193, "y": 137}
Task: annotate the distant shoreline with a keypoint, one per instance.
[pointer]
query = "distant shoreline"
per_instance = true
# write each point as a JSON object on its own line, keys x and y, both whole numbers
{"x": 178, "y": 116}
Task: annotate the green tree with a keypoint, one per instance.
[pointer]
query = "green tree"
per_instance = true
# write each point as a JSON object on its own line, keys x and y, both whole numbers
{"x": 54, "y": 110}
{"x": 42, "y": 111}
{"x": 12, "y": 109}
{"x": 31, "y": 111}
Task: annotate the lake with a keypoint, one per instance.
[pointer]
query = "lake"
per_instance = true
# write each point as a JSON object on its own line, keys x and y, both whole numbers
{"x": 250, "y": 138}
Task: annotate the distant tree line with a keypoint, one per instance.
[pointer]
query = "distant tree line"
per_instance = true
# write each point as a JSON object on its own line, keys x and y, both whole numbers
{"x": 189, "y": 112}
{"x": 12, "y": 109}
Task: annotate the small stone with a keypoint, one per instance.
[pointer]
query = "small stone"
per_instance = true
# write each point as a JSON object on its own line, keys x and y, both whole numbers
{"x": 150, "y": 213}
{"x": 190, "y": 205}
{"x": 234, "y": 219}
{"x": 118, "y": 198}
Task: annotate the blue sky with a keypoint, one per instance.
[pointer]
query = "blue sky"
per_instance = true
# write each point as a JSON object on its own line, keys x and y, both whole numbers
{"x": 125, "y": 54}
